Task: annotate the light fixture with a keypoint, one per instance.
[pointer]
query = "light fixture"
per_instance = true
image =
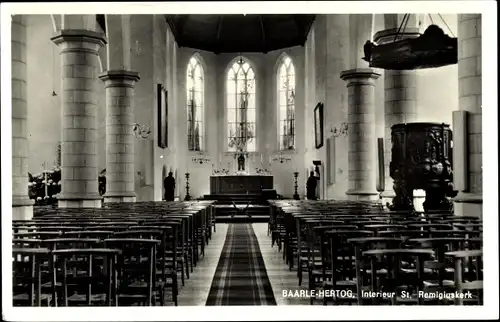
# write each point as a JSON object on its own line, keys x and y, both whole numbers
{"x": 141, "y": 131}
{"x": 53, "y": 71}
{"x": 200, "y": 159}
{"x": 281, "y": 158}
{"x": 342, "y": 131}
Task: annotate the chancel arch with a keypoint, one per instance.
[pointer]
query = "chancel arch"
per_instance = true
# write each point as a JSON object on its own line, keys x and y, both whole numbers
{"x": 286, "y": 103}
{"x": 241, "y": 106}
{"x": 195, "y": 91}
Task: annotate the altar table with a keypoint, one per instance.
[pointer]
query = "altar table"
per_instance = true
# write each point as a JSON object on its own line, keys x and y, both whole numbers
{"x": 235, "y": 184}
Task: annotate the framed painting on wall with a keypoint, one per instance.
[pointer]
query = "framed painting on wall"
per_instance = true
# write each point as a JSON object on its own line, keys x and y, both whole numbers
{"x": 162, "y": 99}
{"x": 318, "y": 125}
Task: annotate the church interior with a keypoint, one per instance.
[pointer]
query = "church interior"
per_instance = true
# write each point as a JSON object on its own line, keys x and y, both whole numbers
{"x": 316, "y": 159}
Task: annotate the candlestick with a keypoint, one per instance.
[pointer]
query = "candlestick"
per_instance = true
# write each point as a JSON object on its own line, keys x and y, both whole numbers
{"x": 46, "y": 183}
{"x": 45, "y": 177}
{"x": 188, "y": 196}
{"x": 296, "y": 194}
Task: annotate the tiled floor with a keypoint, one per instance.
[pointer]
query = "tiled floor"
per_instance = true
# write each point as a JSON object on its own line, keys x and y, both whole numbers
{"x": 197, "y": 287}
{"x": 281, "y": 278}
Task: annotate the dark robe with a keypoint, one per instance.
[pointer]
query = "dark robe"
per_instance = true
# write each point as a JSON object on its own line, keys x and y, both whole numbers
{"x": 311, "y": 185}
{"x": 169, "y": 185}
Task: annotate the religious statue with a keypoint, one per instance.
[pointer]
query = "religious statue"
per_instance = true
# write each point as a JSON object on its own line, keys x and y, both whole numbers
{"x": 241, "y": 163}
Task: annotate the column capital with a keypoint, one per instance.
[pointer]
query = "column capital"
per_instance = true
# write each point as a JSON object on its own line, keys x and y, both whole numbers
{"x": 362, "y": 76}
{"x": 119, "y": 78}
{"x": 78, "y": 39}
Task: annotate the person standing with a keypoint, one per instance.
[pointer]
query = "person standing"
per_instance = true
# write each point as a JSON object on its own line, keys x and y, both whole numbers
{"x": 169, "y": 186}
{"x": 312, "y": 183}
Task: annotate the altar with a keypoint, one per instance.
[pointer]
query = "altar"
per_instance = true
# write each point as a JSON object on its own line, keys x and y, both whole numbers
{"x": 236, "y": 184}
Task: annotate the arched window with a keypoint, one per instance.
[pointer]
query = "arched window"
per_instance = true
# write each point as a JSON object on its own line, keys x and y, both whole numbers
{"x": 195, "y": 89}
{"x": 286, "y": 104}
{"x": 241, "y": 107}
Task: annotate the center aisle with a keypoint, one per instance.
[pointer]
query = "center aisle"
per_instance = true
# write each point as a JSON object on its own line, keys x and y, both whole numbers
{"x": 241, "y": 277}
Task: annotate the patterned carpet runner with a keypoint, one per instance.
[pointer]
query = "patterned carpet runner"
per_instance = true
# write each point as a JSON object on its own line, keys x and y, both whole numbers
{"x": 241, "y": 277}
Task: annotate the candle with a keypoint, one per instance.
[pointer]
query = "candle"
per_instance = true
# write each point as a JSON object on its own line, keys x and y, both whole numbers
{"x": 261, "y": 158}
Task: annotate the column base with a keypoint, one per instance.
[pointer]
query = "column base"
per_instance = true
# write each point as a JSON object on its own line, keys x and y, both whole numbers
{"x": 354, "y": 195}
{"x": 22, "y": 208}
{"x": 87, "y": 201}
{"x": 120, "y": 196}
{"x": 387, "y": 197}
{"x": 468, "y": 204}
{"x": 111, "y": 199}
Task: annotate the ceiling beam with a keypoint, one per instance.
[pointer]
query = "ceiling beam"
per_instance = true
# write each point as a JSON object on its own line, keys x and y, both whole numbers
{"x": 219, "y": 28}
{"x": 263, "y": 33}
{"x": 299, "y": 25}
{"x": 181, "y": 23}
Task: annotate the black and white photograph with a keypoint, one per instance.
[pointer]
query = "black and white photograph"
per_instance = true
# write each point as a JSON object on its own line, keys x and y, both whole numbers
{"x": 265, "y": 158}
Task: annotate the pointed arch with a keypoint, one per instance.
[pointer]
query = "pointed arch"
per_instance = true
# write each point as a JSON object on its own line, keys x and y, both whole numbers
{"x": 285, "y": 74}
{"x": 241, "y": 106}
{"x": 195, "y": 91}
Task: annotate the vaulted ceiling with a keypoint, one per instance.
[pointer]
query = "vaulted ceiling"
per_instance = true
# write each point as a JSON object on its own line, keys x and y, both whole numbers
{"x": 240, "y": 33}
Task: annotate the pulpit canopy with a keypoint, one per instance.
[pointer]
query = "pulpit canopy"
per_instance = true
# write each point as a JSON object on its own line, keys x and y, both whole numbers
{"x": 431, "y": 49}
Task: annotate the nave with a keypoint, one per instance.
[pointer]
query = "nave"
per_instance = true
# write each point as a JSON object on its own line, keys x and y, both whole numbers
{"x": 174, "y": 253}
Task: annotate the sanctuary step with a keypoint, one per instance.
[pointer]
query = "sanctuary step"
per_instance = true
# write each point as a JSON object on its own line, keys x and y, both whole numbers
{"x": 242, "y": 219}
{"x": 244, "y": 213}
{"x": 228, "y": 199}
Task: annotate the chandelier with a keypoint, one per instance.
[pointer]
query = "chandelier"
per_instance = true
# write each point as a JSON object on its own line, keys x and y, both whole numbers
{"x": 200, "y": 159}
{"x": 340, "y": 131}
{"x": 281, "y": 158}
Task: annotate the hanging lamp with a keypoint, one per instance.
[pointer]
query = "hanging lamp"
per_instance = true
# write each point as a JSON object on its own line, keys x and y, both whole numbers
{"x": 412, "y": 50}
{"x": 53, "y": 71}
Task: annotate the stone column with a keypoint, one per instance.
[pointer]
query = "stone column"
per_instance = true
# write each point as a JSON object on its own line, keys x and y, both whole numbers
{"x": 120, "y": 151}
{"x": 469, "y": 182}
{"x": 22, "y": 205}
{"x": 79, "y": 171}
{"x": 362, "y": 154}
{"x": 400, "y": 107}
{"x": 400, "y": 88}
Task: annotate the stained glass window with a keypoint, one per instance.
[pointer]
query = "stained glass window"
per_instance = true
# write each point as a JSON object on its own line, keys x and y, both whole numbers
{"x": 286, "y": 104}
{"x": 195, "y": 91}
{"x": 241, "y": 107}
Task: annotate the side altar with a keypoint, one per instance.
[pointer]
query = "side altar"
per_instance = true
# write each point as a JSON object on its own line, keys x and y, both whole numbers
{"x": 240, "y": 184}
